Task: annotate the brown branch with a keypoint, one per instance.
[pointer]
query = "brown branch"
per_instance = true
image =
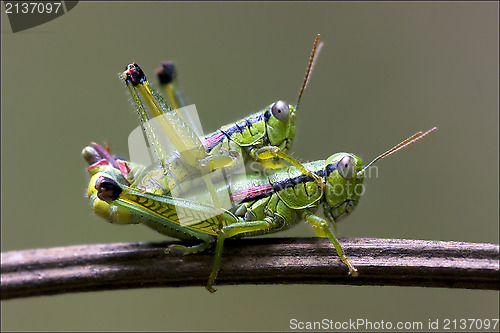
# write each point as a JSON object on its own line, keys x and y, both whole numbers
{"x": 393, "y": 262}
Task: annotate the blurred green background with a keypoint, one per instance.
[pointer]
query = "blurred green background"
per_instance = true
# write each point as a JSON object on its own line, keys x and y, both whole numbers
{"x": 387, "y": 70}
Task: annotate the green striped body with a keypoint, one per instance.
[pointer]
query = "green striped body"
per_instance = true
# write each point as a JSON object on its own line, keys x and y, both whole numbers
{"x": 252, "y": 133}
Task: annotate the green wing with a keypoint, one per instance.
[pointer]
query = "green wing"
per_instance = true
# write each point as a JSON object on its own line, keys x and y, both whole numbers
{"x": 175, "y": 212}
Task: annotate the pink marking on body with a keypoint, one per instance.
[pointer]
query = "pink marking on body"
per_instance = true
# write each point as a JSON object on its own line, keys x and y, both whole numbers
{"x": 103, "y": 152}
{"x": 252, "y": 192}
{"x": 213, "y": 140}
{"x": 124, "y": 167}
{"x": 96, "y": 164}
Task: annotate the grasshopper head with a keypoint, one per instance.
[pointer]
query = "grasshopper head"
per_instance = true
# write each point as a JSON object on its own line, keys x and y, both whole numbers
{"x": 280, "y": 122}
{"x": 344, "y": 175}
{"x": 344, "y": 185}
{"x": 280, "y": 116}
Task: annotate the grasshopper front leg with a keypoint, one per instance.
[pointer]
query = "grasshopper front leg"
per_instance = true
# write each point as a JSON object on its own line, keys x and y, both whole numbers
{"x": 272, "y": 151}
{"x": 321, "y": 228}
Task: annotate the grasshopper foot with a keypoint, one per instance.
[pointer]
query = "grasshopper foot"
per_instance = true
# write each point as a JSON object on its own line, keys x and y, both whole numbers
{"x": 176, "y": 249}
{"x": 353, "y": 272}
{"x": 210, "y": 289}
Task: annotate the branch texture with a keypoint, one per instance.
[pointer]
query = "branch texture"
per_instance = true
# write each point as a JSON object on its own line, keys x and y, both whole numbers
{"x": 395, "y": 262}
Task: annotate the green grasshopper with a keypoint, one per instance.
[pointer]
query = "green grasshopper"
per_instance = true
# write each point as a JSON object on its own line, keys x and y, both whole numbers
{"x": 269, "y": 132}
{"x": 262, "y": 203}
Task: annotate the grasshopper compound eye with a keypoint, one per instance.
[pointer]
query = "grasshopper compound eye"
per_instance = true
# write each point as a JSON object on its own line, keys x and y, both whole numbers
{"x": 346, "y": 167}
{"x": 280, "y": 111}
{"x": 107, "y": 189}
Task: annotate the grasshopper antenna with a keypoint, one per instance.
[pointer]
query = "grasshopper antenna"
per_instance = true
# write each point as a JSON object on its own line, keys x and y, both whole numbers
{"x": 403, "y": 144}
{"x": 312, "y": 60}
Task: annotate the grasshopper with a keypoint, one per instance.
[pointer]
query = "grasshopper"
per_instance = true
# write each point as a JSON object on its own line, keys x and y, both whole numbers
{"x": 125, "y": 193}
{"x": 269, "y": 132}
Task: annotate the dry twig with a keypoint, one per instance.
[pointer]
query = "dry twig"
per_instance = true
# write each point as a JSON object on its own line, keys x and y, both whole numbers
{"x": 394, "y": 262}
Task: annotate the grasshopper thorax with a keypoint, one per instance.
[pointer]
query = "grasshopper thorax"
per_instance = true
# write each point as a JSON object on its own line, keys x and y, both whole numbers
{"x": 343, "y": 185}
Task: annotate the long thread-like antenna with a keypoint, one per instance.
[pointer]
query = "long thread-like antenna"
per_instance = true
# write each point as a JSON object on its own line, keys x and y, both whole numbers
{"x": 312, "y": 60}
{"x": 403, "y": 144}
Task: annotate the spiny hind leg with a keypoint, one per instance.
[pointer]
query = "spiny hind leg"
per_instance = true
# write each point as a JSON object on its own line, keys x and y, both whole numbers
{"x": 320, "y": 226}
{"x": 231, "y": 231}
{"x": 268, "y": 152}
{"x": 167, "y": 75}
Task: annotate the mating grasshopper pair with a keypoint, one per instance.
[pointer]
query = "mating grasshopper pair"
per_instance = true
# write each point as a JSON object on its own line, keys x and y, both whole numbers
{"x": 161, "y": 196}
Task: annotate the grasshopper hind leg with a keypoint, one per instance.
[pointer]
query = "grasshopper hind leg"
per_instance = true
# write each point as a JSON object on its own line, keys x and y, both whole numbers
{"x": 231, "y": 231}
{"x": 179, "y": 249}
